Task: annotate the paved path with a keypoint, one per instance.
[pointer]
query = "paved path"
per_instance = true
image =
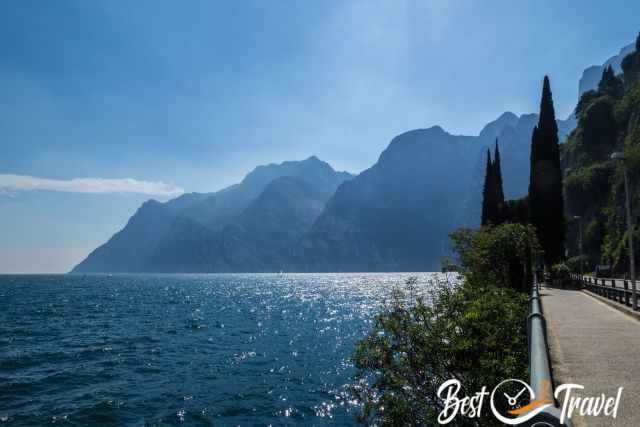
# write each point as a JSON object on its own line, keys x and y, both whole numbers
{"x": 597, "y": 346}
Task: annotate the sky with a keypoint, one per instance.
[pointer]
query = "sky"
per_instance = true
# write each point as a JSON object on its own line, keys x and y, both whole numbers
{"x": 107, "y": 104}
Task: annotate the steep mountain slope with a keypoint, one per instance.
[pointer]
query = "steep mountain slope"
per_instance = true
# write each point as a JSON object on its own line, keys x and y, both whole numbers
{"x": 260, "y": 239}
{"x": 394, "y": 216}
{"x": 127, "y": 250}
{"x": 214, "y": 231}
{"x": 217, "y": 209}
{"x": 591, "y": 76}
{"x": 608, "y": 121}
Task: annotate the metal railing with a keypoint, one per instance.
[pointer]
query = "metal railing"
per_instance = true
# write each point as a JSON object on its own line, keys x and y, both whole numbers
{"x": 541, "y": 379}
{"x": 619, "y": 290}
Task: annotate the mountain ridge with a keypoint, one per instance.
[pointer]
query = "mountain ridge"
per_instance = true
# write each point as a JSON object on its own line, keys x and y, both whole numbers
{"x": 390, "y": 217}
{"x": 194, "y": 227}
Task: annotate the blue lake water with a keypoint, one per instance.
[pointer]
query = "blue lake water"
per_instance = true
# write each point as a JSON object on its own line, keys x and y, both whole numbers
{"x": 184, "y": 349}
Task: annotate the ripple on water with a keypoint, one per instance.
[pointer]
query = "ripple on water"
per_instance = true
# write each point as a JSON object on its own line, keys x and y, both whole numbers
{"x": 184, "y": 349}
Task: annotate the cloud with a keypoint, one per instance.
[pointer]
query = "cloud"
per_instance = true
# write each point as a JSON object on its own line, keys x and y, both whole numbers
{"x": 15, "y": 183}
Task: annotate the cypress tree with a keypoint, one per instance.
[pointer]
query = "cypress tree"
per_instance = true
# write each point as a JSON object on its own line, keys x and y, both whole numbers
{"x": 546, "y": 204}
{"x": 488, "y": 193}
{"x": 611, "y": 84}
{"x": 605, "y": 79}
{"x": 497, "y": 177}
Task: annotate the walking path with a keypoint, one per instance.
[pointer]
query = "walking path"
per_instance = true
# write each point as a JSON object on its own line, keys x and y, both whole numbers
{"x": 597, "y": 346}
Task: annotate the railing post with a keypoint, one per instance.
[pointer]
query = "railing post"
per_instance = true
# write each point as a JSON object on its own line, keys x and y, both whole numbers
{"x": 626, "y": 292}
{"x": 612, "y": 292}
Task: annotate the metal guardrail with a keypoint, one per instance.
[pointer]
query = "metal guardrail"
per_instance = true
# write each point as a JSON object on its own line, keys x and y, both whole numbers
{"x": 618, "y": 290}
{"x": 541, "y": 380}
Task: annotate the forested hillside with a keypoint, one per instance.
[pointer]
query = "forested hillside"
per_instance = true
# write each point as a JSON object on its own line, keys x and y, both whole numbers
{"x": 608, "y": 122}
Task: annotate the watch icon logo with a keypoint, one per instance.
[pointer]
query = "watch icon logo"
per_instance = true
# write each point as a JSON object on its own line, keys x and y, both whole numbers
{"x": 514, "y": 400}
{"x": 512, "y": 394}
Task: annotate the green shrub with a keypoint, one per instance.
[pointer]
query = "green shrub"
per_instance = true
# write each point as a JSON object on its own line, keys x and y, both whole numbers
{"x": 574, "y": 263}
{"x": 497, "y": 254}
{"x": 475, "y": 332}
{"x": 560, "y": 271}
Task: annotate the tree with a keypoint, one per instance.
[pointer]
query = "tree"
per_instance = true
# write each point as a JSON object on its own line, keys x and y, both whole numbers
{"x": 499, "y": 255}
{"x": 475, "y": 333}
{"x": 488, "y": 194}
{"x": 499, "y": 192}
{"x": 546, "y": 204}
{"x": 516, "y": 211}
{"x": 610, "y": 84}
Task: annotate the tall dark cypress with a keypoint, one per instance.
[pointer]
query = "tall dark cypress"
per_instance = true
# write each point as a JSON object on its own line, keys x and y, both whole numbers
{"x": 611, "y": 84}
{"x": 546, "y": 204}
{"x": 488, "y": 193}
{"x": 497, "y": 177}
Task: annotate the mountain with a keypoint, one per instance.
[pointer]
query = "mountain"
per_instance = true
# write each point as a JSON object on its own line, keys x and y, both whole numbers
{"x": 260, "y": 239}
{"x": 127, "y": 249}
{"x": 591, "y": 76}
{"x": 240, "y": 228}
{"x": 594, "y": 184}
{"x": 304, "y": 216}
{"x": 217, "y": 209}
{"x": 397, "y": 215}
{"x": 394, "y": 216}
{"x": 514, "y": 137}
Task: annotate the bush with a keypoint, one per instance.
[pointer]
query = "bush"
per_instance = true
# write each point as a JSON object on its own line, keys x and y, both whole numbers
{"x": 498, "y": 254}
{"x": 574, "y": 263}
{"x": 448, "y": 266}
{"x": 560, "y": 271}
{"x": 473, "y": 332}
{"x": 560, "y": 274}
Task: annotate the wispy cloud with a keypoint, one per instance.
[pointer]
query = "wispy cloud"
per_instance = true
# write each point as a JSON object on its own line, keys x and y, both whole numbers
{"x": 16, "y": 183}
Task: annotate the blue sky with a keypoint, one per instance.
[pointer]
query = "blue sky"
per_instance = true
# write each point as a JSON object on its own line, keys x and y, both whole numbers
{"x": 192, "y": 95}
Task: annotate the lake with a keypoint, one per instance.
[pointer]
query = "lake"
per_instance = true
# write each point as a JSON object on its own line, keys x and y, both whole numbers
{"x": 220, "y": 349}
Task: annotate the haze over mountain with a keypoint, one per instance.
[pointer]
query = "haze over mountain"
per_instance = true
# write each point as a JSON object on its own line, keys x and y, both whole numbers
{"x": 304, "y": 216}
{"x": 250, "y": 226}
{"x": 395, "y": 216}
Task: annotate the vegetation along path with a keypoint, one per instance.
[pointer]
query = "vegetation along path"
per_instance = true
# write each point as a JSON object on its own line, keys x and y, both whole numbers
{"x": 596, "y": 346}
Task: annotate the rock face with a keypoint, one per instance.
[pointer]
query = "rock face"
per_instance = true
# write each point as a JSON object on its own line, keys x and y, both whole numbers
{"x": 592, "y": 75}
{"x": 396, "y": 216}
{"x": 304, "y": 216}
{"x": 127, "y": 250}
{"x": 250, "y": 226}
